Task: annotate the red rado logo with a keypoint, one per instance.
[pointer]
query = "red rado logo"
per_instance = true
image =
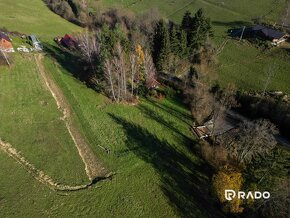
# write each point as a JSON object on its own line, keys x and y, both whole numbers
{"x": 231, "y": 194}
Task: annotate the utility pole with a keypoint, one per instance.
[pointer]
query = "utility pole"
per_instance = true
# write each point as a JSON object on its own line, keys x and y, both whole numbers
{"x": 242, "y": 33}
{"x": 4, "y": 55}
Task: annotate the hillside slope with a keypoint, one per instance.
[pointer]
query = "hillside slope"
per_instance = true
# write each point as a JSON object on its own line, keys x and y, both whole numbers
{"x": 33, "y": 17}
{"x": 152, "y": 147}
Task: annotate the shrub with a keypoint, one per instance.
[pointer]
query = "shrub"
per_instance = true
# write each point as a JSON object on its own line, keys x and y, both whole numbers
{"x": 216, "y": 156}
{"x": 228, "y": 178}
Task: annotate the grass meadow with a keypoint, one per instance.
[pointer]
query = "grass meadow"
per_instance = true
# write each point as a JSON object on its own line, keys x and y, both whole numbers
{"x": 157, "y": 174}
{"x": 33, "y": 17}
{"x": 30, "y": 121}
{"x": 152, "y": 147}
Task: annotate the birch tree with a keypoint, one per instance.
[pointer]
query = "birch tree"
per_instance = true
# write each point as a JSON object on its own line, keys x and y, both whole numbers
{"x": 109, "y": 77}
{"x": 133, "y": 70}
{"x": 149, "y": 68}
{"x": 116, "y": 71}
{"x": 89, "y": 48}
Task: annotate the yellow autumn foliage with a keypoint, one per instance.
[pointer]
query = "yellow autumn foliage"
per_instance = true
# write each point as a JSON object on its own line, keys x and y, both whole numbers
{"x": 140, "y": 54}
{"x": 140, "y": 62}
{"x": 228, "y": 178}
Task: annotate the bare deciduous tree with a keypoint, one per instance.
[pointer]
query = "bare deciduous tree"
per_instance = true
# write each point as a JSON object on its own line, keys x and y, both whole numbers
{"x": 122, "y": 69}
{"x": 251, "y": 140}
{"x": 201, "y": 102}
{"x": 89, "y": 48}
{"x": 116, "y": 71}
{"x": 109, "y": 76}
{"x": 149, "y": 68}
{"x": 223, "y": 102}
{"x": 133, "y": 70}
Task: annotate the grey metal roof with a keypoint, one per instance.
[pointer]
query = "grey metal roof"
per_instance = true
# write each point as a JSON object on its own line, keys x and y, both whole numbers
{"x": 33, "y": 38}
{"x": 269, "y": 32}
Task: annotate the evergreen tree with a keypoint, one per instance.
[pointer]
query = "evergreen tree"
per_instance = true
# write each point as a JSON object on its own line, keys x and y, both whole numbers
{"x": 174, "y": 40}
{"x": 161, "y": 46}
{"x": 183, "y": 43}
{"x": 200, "y": 30}
{"x": 186, "y": 21}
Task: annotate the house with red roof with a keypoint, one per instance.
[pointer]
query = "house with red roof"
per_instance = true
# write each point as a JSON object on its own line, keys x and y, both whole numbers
{"x": 68, "y": 41}
{"x": 5, "y": 43}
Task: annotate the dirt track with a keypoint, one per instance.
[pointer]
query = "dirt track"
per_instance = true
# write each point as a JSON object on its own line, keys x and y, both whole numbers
{"x": 38, "y": 174}
{"x": 93, "y": 166}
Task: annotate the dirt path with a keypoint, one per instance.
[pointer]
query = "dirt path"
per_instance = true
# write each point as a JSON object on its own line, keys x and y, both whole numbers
{"x": 93, "y": 166}
{"x": 38, "y": 174}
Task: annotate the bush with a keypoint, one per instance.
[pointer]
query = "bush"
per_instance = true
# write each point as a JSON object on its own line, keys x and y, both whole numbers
{"x": 169, "y": 92}
{"x": 216, "y": 156}
{"x": 228, "y": 178}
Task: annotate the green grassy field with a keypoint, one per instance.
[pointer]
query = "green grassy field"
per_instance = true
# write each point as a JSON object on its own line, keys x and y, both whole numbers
{"x": 33, "y": 17}
{"x": 238, "y": 63}
{"x": 30, "y": 121}
{"x": 157, "y": 173}
{"x": 152, "y": 147}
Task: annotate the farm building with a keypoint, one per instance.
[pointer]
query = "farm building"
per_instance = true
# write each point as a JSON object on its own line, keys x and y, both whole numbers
{"x": 5, "y": 43}
{"x": 152, "y": 83}
{"x": 260, "y": 32}
{"x": 223, "y": 124}
{"x": 275, "y": 36}
{"x": 68, "y": 41}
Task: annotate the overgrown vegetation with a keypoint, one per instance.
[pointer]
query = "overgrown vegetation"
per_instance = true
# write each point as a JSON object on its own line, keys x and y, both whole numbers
{"x": 118, "y": 57}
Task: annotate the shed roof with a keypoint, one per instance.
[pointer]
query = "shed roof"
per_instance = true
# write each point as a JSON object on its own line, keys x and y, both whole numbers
{"x": 33, "y": 38}
{"x": 269, "y": 32}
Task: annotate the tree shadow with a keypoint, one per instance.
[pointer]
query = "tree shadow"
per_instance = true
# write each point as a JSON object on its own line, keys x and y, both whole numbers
{"x": 231, "y": 24}
{"x": 154, "y": 116}
{"x": 186, "y": 118}
{"x": 184, "y": 182}
{"x": 69, "y": 60}
{"x": 287, "y": 50}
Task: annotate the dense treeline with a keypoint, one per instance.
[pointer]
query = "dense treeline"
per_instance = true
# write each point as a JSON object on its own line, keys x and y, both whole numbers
{"x": 121, "y": 53}
{"x": 177, "y": 47}
{"x": 117, "y": 59}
